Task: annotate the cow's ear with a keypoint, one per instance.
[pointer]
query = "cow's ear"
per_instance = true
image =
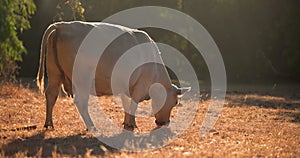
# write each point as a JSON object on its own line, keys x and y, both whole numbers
{"x": 181, "y": 91}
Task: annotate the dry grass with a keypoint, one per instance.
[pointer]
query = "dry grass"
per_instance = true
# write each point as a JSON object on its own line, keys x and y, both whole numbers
{"x": 251, "y": 125}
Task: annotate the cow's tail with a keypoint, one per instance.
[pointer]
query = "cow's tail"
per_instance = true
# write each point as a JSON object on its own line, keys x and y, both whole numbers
{"x": 40, "y": 75}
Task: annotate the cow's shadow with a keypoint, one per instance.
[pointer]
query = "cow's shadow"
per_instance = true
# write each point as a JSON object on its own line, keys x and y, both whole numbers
{"x": 81, "y": 144}
{"x": 37, "y": 145}
{"x": 140, "y": 142}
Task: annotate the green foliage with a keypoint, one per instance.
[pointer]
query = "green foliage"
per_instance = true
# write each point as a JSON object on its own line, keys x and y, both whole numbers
{"x": 282, "y": 38}
{"x": 69, "y": 8}
{"x": 259, "y": 40}
{"x": 14, "y": 15}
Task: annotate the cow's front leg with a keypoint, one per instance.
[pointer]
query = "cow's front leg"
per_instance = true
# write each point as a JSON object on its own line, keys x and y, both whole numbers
{"x": 82, "y": 83}
{"x": 82, "y": 107}
{"x": 129, "y": 119}
{"x": 130, "y": 108}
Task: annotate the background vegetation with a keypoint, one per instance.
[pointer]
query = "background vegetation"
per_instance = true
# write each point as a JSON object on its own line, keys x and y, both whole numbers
{"x": 14, "y": 17}
{"x": 259, "y": 40}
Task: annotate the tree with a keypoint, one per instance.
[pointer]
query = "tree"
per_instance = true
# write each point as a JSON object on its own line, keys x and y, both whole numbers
{"x": 14, "y": 15}
{"x": 73, "y": 7}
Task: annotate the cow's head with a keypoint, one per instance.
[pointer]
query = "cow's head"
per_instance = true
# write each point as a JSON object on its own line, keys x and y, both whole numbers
{"x": 162, "y": 116}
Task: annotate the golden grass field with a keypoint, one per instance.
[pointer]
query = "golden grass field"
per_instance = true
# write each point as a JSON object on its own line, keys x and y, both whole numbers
{"x": 250, "y": 125}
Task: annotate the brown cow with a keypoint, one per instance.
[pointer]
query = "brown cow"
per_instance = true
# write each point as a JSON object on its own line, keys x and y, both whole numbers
{"x": 60, "y": 46}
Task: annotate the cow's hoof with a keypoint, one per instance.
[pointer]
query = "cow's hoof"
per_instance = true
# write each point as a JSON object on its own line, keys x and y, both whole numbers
{"x": 129, "y": 127}
{"x": 162, "y": 123}
{"x": 91, "y": 129}
{"x": 161, "y": 127}
{"x": 49, "y": 127}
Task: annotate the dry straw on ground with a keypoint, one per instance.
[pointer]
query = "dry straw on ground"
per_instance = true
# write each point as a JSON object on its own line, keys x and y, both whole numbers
{"x": 251, "y": 125}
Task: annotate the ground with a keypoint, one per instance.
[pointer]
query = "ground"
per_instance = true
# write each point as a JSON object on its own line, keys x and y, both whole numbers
{"x": 251, "y": 124}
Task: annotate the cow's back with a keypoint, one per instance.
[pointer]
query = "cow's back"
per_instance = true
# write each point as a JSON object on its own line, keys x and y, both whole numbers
{"x": 70, "y": 36}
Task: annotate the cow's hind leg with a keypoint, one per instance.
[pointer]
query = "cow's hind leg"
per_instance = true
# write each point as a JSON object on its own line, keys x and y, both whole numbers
{"x": 51, "y": 93}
